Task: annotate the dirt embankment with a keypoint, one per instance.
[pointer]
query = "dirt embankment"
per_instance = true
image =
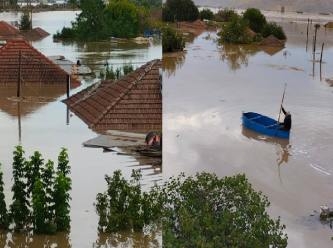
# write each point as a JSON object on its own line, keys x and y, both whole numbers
{"x": 195, "y": 28}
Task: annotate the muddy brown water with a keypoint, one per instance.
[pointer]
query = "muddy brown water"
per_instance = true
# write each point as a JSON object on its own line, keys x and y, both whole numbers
{"x": 205, "y": 91}
{"x": 41, "y": 122}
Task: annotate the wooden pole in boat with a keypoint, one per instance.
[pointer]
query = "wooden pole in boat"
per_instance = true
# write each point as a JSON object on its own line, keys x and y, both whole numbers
{"x": 285, "y": 86}
{"x": 307, "y": 34}
{"x": 321, "y": 54}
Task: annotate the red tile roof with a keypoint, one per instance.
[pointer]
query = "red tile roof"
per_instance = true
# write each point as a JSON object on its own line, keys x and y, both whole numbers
{"x": 132, "y": 103}
{"x": 34, "y": 66}
{"x": 8, "y": 31}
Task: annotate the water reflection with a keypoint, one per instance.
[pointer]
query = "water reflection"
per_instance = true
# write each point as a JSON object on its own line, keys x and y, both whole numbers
{"x": 237, "y": 55}
{"x": 9, "y": 240}
{"x": 172, "y": 62}
{"x": 282, "y": 145}
{"x": 128, "y": 239}
{"x": 33, "y": 98}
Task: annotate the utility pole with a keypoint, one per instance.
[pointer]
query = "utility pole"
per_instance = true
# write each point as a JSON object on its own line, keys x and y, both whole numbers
{"x": 18, "y": 92}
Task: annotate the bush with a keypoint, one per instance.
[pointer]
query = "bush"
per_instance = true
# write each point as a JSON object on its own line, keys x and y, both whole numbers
{"x": 200, "y": 211}
{"x": 124, "y": 207}
{"x": 171, "y": 40}
{"x": 122, "y": 19}
{"x": 206, "y": 14}
{"x": 273, "y": 29}
{"x": 206, "y": 211}
{"x": 256, "y": 19}
{"x": 25, "y": 23}
{"x": 179, "y": 10}
{"x": 40, "y": 200}
{"x": 235, "y": 32}
{"x": 225, "y": 15}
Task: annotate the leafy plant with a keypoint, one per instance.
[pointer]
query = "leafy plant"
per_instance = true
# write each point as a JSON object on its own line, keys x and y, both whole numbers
{"x": 60, "y": 194}
{"x": 172, "y": 41}
{"x": 40, "y": 201}
{"x": 123, "y": 206}
{"x": 61, "y": 199}
{"x": 200, "y": 211}
{"x": 273, "y": 29}
{"x": 19, "y": 207}
{"x": 256, "y": 19}
{"x": 25, "y": 22}
{"x": 235, "y": 32}
{"x": 225, "y": 15}
{"x": 179, "y": 10}
{"x": 206, "y": 14}
{"x": 4, "y": 221}
{"x": 206, "y": 211}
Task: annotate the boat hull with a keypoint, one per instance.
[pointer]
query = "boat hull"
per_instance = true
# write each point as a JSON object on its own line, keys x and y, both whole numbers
{"x": 264, "y": 125}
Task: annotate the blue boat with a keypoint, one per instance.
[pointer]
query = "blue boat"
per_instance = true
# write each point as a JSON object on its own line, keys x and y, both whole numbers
{"x": 264, "y": 125}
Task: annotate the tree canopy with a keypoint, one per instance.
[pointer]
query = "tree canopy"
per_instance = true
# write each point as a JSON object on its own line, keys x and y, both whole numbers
{"x": 251, "y": 27}
{"x": 199, "y": 211}
{"x": 179, "y": 10}
{"x": 118, "y": 18}
{"x": 256, "y": 19}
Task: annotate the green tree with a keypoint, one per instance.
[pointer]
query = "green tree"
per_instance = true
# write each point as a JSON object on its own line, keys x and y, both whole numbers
{"x": 48, "y": 181}
{"x": 61, "y": 199}
{"x": 4, "y": 221}
{"x": 90, "y": 25}
{"x": 63, "y": 162}
{"x": 60, "y": 194}
{"x": 39, "y": 207}
{"x": 225, "y": 15}
{"x": 256, "y": 19}
{"x": 179, "y": 10}
{"x": 206, "y": 211}
{"x": 206, "y": 14}
{"x": 32, "y": 170}
{"x": 273, "y": 29}
{"x": 123, "y": 206}
{"x": 19, "y": 208}
{"x": 122, "y": 19}
{"x": 235, "y": 31}
{"x": 25, "y": 22}
{"x": 172, "y": 41}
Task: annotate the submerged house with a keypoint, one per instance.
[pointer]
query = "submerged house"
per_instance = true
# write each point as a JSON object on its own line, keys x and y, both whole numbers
{"x": 10, "y": 32}
{"x": 18, "y": 59}
{"x": 133, "y": 103}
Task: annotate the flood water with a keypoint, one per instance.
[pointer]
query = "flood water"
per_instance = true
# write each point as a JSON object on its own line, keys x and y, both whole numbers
{"x": 41, "y": 122}
{"x": 205, "y": 91}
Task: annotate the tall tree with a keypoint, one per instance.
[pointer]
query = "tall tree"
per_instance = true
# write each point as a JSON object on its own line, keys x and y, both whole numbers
{"x": 19, "y": 207}
{"x": 179, "y": 10}
{"x": 61, "y": 196}
{"x": 48, "y": 181}
{"x": 3, "y": 209}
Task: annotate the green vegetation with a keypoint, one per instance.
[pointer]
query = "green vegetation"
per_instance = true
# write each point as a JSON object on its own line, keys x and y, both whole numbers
{"x": 25, "y": 23}
{"x": 256, "y": 19}
{"x": 273, "y": 29}
{"x": 179, "y": 10}
{"x": 4, "y": 221}
{"x": 123, "y": 206}
{"x": 225, "y": 15}
{"x": 206, "y": 14}
{"x": 172, "y": 41}
{"x": 113, "y": 74}
{"x": 118, "y": 18}
{"x": 40, "y": 200}
{"x": 200, "y": 211}
{"x": 250, "y": 27}
{"x": 236, "y": 31}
